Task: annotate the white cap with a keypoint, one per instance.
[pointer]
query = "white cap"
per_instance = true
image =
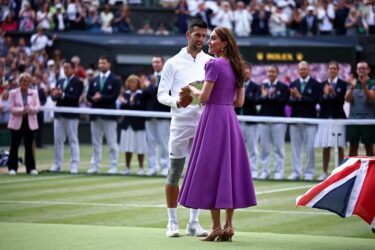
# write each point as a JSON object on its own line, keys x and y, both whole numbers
{"x": 58, "y": 6}
{"x": 310, "y": 8}
{"x": 50, "y": 62}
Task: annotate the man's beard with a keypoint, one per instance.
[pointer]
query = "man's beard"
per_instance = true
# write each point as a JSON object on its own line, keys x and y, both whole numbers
{"x": 196, "y": 48}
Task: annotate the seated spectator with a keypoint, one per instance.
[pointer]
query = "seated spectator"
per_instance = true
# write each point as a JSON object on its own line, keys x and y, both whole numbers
{"x": 93, "y": 20}
{"x": 162, "y": 30}
{"x": 107, "y": 18}
{"x": 22, "y": 47}
{"x": 80, "y": 70}
{"x": 26, "y": 18}
{"x": 122, "y": 22}
{"x": 146, "y": 29}
{"x": 168, "y": 3}
{"x": 4, "y": 110}
{"x": 44, "y": 17}
{"x": 9, "y": 24}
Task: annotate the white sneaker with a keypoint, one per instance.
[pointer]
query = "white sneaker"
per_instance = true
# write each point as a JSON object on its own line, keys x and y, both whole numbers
{"x": 140, "y": 171}
{"x": 323, "y": 176}
{"x": 293, "y": 177}
{"x": 74, "y": 170}
{"x": 126, "y": 171}
{"x": 55, "y": 168}
{"x": 308, "y": 178}
{"x": 195, "y": 229}
{"x": 112, "y": 171}
{"x": 12, "y": 172}
{"x": 164, "y": 172}
{"x": 264, "y": 176}
{"x": 93, "y": 170}
{"x": 173, "y": 229}
{"x": 152, "y": 172}
{"x": 33, "y": 172}
{"x": 278, "y": 176}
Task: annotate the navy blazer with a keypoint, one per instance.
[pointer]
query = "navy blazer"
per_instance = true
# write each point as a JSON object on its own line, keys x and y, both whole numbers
{"x": 152, "y": 103}
{"x": 109, "y": 93}
{"x": 136, "y": 123}
{"x": 332, "y": 106}
{"x": 249, "y": 106}
{"x": 71, "y": 95}
{"x": 306, "y": 106}
{"x": 274, "y": 106}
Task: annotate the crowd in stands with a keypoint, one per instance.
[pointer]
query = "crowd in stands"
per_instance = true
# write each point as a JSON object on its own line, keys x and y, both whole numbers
{"x": 245, "y": 18}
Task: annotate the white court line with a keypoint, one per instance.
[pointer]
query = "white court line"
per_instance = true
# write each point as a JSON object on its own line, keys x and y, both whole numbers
{"x": 283, "y": 189}
{"x": 148, "y": 206}
{"x": 35, "y": 179}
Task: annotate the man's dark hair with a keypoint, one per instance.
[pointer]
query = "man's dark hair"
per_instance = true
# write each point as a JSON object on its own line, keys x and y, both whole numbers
{"x": 159, "y": 56}
{"x": 197, "y": 22}
{"x": 105, "y": 57}
{"x": 70, "y": 63}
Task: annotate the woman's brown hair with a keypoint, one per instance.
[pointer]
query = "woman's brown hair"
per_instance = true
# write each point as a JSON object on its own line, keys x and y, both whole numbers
{"x": 233, "y": 54}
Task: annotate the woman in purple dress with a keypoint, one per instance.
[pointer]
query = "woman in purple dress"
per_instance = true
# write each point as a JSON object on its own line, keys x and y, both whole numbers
{"x": 218, "y": 174}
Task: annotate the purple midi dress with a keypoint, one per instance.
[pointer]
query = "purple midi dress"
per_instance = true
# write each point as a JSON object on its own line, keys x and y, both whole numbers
{"x": 218, "y": 174}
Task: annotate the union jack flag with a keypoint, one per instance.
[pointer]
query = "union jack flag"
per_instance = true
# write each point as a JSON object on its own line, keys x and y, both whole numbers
{"x": 349, "y": 190}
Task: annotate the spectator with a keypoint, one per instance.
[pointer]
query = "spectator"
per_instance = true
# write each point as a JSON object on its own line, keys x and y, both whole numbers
{"x": 44, "y": 17}
{"x": 326, "y": 16}
{"x": 23, "y": 107}
{"x": 102, "y": 93}
{"x": 39, "y": 41}
{"x": 182, "y": 14}
{"x": 168, "y": 3}
{"x": 4, "y": 99}
{"x": 60, "y": 18}
{"x": 66, "y": 94}
{"x": 122, "y": 22}
{"x": 278, "y": 21}
{"x": 22, "y": 47}
{"x": 9, "y": 24}
{"x": 273, "y": 97}
{"x": 250, "y": 129}
{"x": 368, "y": 16}
{"x": 157, "y": 129}
{"x": 38, "y": 85}
{"x": 309, "y": 23}
{"x": 72, "y": 12}
{"x": 205, "y": 14}
{"x": 26, "y": 18}
{"x": 242, "y": 20}
{"x": 341, "y": 15}
{"x": 225, "y": 16}
{"x": 162, "y": 30}
{"x": 133, "y": 137}
{"x": 80, "y": 21}
{"x": 304, "y": 95}
{"x": 352, "y": 23}
{"x": 106, "y": 17}
{"x": 146, "y": 29}
{"x": 79, "y": 69}
{"x": 93, "y": 20}
{"x": 5, "y": 9}
{"x": 261, "y": 18}
{"x": 361, "y": 96}
{"x": 295, "y": 23}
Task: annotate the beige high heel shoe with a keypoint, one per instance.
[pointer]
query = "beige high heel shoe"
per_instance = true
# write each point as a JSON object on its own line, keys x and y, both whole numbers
{"x": 227, "y": 234}
{"x": 217, "y": 233}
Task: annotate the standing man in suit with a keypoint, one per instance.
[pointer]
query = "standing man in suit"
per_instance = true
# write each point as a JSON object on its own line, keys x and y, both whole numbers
{"x": 157, "y": 129}
{"x": 66, "y": 94}
{"x": 304, "y": 95}
{"x": 250, "y": 129}
{"x": 331, "y": 103}
{"x": 272, "y": 96}
{"x": 102, "y": 93}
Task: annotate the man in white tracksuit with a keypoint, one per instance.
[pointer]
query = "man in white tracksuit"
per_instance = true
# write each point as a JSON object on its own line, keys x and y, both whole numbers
{"x": 184, "y": 68}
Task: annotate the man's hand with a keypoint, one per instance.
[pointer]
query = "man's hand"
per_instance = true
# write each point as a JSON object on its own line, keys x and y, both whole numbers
{"x": 185, "y": 91}
{"x": 183, "y": 102}
{"x": 263, "y": 90}
{"x": 96, "y": 97}
{"x": 56, "y": 92}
